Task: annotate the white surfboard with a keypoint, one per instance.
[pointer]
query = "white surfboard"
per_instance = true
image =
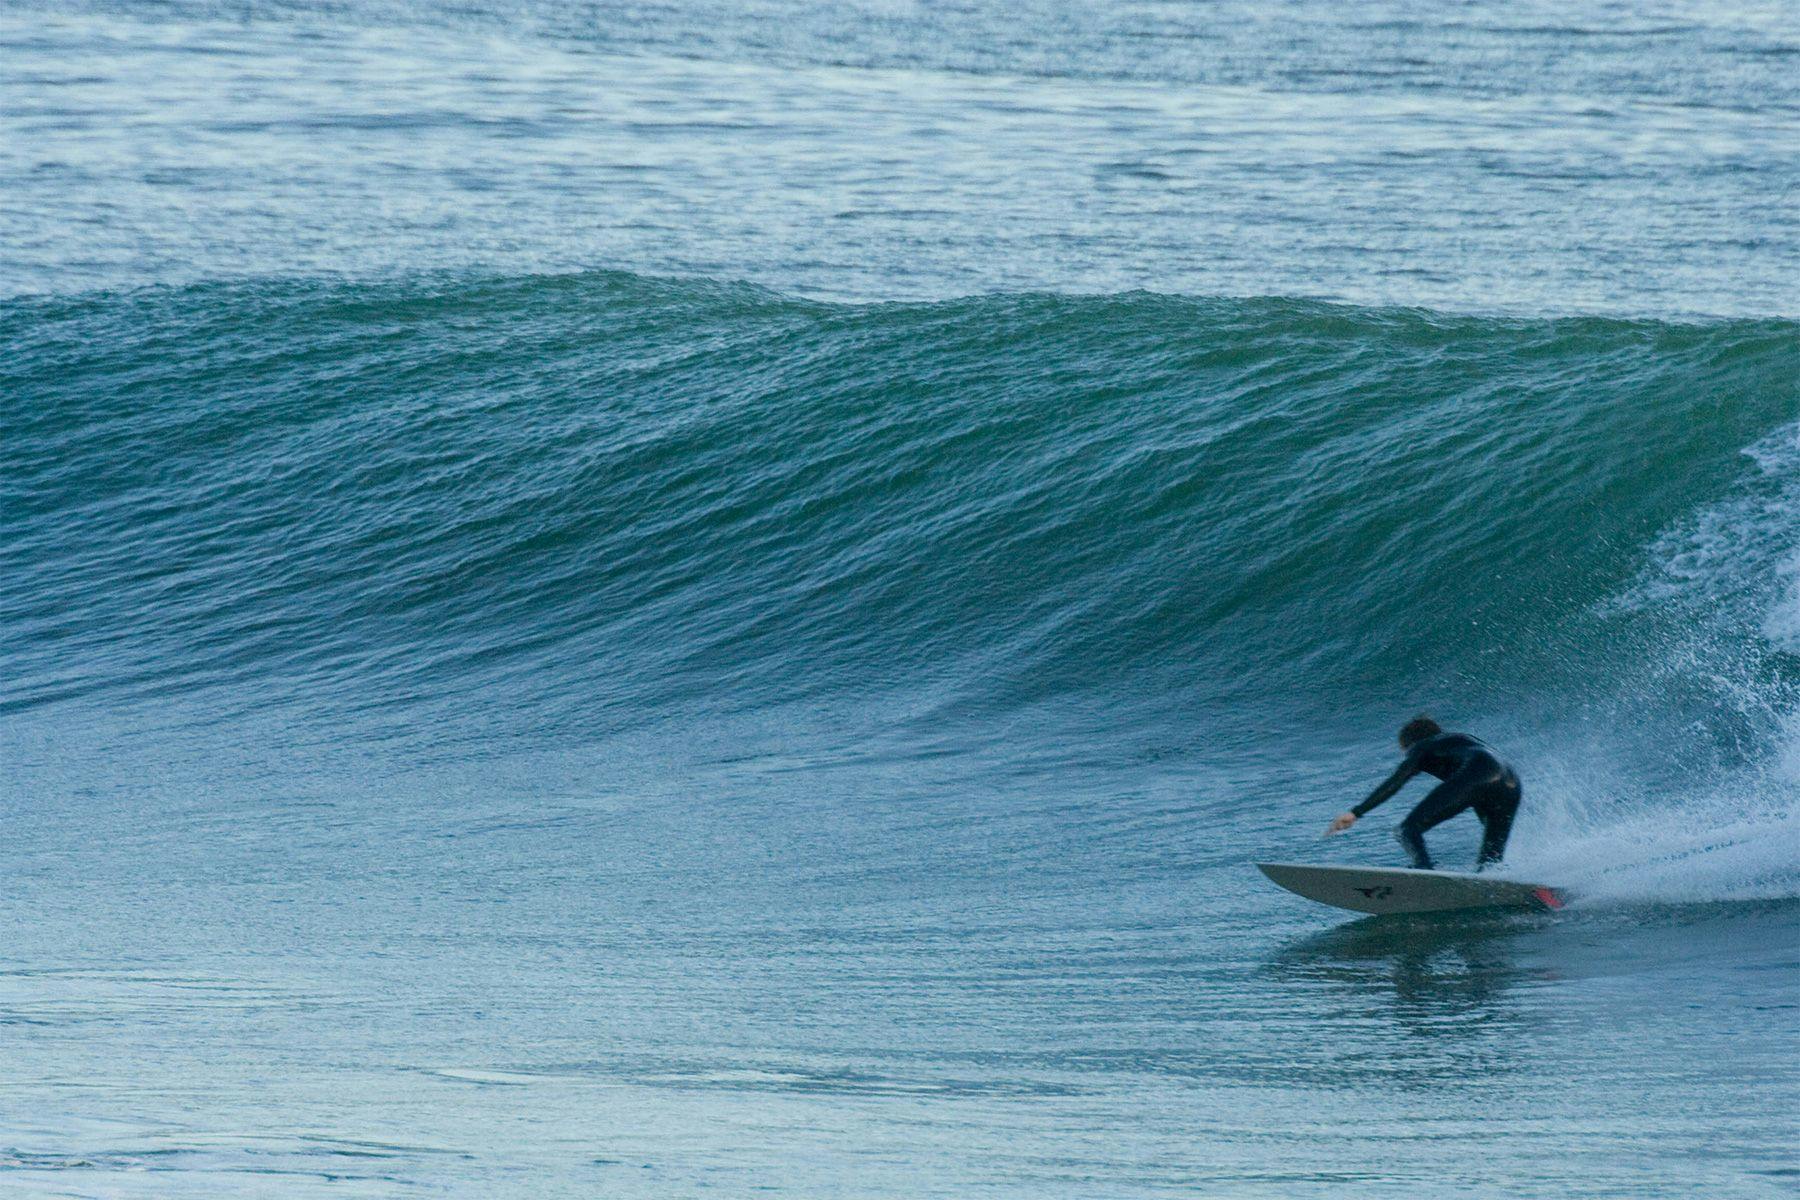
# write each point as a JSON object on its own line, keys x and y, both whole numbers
{"x": 1403, "y": 890}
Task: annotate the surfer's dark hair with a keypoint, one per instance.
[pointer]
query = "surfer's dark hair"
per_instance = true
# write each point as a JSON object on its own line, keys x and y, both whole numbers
{"x": 1417, "y": 730}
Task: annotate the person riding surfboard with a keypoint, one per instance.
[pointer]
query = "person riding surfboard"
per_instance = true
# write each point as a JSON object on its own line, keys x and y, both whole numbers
{"x": 1474, "y": 777}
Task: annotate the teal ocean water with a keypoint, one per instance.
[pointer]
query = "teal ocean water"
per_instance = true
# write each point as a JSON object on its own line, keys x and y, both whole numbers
{"x": 684, "y": 598}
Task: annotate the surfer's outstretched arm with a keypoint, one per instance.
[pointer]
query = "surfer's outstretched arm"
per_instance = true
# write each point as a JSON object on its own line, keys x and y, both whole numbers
{"x": 1409, "y": 766}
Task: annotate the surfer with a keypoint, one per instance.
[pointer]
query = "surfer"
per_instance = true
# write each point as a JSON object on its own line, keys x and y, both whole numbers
{"x": 1473, "y": 777}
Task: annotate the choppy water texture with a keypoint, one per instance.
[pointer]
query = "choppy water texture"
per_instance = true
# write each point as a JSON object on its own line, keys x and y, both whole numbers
{"x": 511, "y": 684}
{"x": 1541, "y": 157}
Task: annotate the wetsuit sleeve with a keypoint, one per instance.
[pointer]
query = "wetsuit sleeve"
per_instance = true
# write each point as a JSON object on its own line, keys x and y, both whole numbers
{"x": 1409, "y": 766}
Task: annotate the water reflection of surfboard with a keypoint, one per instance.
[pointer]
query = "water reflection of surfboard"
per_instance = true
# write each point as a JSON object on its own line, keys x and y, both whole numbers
{"x": 1403, "y": 890}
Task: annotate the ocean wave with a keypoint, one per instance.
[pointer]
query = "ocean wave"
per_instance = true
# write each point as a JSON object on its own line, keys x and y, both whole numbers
{"x": 569, "y": 502}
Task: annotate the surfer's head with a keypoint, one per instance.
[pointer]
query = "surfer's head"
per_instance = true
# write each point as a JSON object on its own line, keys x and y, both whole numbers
{"x": 1417, "y": 730}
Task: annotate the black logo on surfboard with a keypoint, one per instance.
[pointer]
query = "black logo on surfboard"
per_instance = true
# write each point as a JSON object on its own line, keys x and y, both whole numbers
{"x": 1379, "y": 892}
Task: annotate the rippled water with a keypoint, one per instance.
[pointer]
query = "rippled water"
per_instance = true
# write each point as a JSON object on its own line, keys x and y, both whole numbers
{"x": 1536, "y": 158}
{"x": 625, "y": 601}
{"x": 581, "y": 997}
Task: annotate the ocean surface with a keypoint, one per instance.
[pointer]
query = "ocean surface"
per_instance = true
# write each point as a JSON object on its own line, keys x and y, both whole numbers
{"x": 697, "y": 598}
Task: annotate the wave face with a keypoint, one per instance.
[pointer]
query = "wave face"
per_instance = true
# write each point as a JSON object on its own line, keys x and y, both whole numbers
{"x": 462, "y": 518}
{"x": 560, "y": 507}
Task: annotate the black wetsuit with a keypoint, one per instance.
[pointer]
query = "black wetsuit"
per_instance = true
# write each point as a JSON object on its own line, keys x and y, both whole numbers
{"x": 1474, "y": 777}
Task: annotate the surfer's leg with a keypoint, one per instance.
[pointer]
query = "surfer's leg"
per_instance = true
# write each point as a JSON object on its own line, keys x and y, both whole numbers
{"x": 1414, "y": 846}
{"x": 1439, "y": 805}
{"x": 1496, "y": 809}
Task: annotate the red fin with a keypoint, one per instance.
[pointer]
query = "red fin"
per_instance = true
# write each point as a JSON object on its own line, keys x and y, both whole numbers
{"x": 1548, "y": 896}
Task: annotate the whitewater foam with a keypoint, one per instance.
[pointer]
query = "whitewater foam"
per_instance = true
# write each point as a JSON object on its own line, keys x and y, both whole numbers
{"x": 1726, "y": 582}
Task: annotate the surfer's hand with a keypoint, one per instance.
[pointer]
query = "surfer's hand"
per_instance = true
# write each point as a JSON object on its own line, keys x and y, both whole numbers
{"x": 1340, "y": 823}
